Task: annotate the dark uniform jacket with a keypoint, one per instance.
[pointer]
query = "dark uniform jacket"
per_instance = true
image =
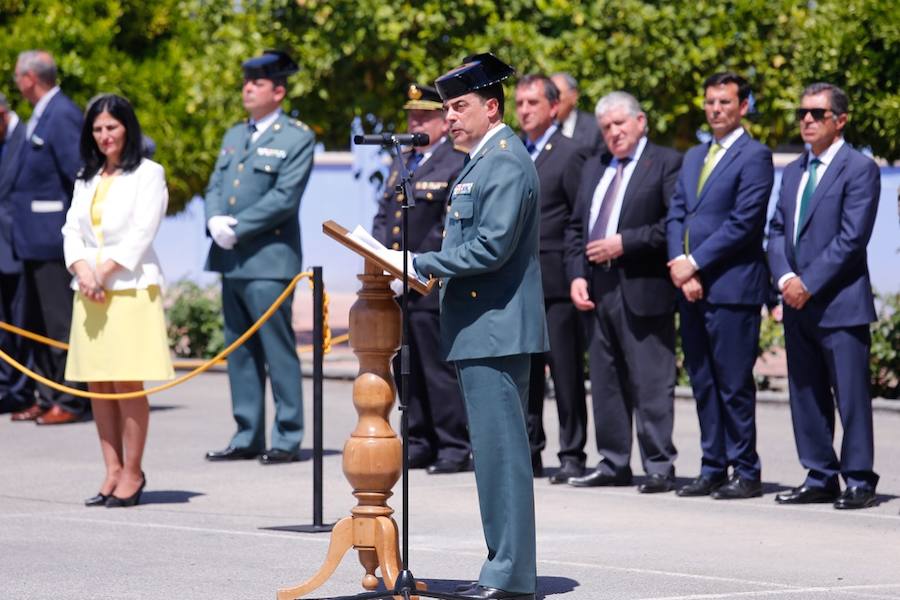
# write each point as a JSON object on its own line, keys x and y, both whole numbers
{"x": 8, "y": 166}
{"x": 430, "y": 182}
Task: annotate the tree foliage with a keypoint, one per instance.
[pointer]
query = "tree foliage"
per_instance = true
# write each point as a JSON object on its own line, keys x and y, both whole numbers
{"x": 177, "y": 60}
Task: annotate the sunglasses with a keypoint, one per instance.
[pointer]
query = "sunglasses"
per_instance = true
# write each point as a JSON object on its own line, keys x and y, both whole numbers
{"x": 818, "y": 114}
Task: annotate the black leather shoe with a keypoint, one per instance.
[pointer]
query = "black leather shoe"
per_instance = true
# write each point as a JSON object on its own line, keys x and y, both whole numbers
{"x": 537, "y": 465}
{"x": 656, "y": 483}
{"x": 702, "y": 486}
{"x": 598, "y": 478}
{"x": 738, "y": 488}
{"x": 489, "y": 593}
{"x": 419, "y": 460}
{"x": 98, "y": 500}
{"x": 807, "y": 494}
{"x": 276, "y": 456}
{"x": 566, "y": 471}
{"x": 113, "y": 501}
{"x": 855, "y": 497}
{"x": 231, "y": 453}
{"x": 443, "y": 465}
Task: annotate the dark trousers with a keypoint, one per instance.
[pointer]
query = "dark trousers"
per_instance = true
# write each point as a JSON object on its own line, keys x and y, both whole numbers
{"x": 828, "y": 366}
{"x": 632, "y": 364}
{"x": 50, "y": 314}
{"x": 495, "y": 390}
{"x": 721, "y": 343}
{"x": 16, "y": 389}
{"x": 436, "y": 412}
{"x": 566, "y": 328}
{"x": 272, "y": 350}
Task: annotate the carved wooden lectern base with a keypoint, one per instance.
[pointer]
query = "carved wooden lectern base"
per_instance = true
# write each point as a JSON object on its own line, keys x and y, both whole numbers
{"x": 372, "y": 455}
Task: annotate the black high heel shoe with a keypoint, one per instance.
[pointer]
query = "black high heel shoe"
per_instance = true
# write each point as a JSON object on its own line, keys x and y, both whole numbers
{"x": 114, "y": 501}
{"x": 98, "y": 500}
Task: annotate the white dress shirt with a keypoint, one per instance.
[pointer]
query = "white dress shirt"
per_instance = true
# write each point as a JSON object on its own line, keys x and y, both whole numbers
{"x": 826, "y": 158}
{"x": 600, "y": 191}
{"x": 264, "y": 124}
{"x": 542, "y": 141}
{"x": 11, "y": 125}
{"x": 568, "y": 126}
{"x": 490, "y": 133}
{"x": 38, "y": 111}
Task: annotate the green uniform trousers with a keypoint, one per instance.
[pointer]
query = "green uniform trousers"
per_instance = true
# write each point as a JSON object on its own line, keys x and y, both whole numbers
{"x": 495, "y": 390}
{"x": 272, "y": 349}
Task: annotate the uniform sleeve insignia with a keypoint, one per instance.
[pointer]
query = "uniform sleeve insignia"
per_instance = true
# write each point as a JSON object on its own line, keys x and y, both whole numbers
{"x": 271, "y": 152}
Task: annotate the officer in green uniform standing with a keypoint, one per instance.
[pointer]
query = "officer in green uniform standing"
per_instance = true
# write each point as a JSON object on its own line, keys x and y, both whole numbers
{"x": 252, "y": 205}
{"x": 492, "y": 313}
{"x": 438, "y": 438}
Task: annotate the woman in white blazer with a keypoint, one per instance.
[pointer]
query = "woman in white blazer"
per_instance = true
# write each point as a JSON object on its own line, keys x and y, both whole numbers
{"x": 118, "y": 336}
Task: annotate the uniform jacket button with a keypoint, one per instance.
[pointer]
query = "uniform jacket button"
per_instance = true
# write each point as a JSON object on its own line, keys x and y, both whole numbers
{"x": 232, "y": 200}
{"x": 474, "y": 294}
{"x": 395, "y": 245}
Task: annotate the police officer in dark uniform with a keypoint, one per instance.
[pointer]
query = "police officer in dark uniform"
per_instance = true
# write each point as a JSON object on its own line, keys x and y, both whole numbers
{"x": 438, "y": 438}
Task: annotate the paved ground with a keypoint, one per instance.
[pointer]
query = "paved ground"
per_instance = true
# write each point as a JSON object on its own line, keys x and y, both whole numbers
{"x": 199, "y": 531}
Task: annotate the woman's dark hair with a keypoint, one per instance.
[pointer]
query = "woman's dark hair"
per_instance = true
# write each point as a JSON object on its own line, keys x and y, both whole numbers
{"x": 120, "y": 109}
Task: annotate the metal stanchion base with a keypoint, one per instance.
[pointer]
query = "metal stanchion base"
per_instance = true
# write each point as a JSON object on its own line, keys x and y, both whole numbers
{"x": 325, "y": 527}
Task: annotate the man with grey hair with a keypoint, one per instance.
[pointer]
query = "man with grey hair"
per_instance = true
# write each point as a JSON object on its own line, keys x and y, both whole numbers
{"x": 578, "y": 125}
{"x": 16, "y": 390}
{"x": 39, "y": 196}
{"x": 616, "y": 263}
{"x": 558, "y": 161}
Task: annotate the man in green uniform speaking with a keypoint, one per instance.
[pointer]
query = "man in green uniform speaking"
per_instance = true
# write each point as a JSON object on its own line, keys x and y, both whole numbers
{"x": 252, "y": 203}
{"x": 492, "y": 313}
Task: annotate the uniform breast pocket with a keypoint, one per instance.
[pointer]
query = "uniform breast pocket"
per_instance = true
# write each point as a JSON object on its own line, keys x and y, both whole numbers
{"x": 462, "y": 210}
{"x": 266, "y": 164}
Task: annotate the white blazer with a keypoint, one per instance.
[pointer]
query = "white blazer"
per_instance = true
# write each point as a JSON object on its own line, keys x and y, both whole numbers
{"x": 134, "y": 208}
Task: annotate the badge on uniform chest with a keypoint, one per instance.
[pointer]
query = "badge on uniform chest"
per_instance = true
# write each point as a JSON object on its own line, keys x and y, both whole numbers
{"x": 271, "y": 152}
{"x": 462, "y": 188}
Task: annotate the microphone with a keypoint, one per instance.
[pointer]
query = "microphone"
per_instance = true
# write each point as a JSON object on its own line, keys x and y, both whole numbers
{"x": 389, "y": 139}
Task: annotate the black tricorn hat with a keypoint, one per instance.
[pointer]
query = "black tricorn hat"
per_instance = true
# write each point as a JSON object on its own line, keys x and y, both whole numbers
{"x": 477, "y": 71}
{"x": 422, "y": 97}
{"x": 273, "y": 64}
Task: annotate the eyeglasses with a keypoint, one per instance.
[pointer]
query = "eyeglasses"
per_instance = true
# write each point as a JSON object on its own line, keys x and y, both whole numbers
{"x": 818, "y": 114}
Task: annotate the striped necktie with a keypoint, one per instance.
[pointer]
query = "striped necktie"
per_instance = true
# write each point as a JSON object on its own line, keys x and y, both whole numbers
{"x": 811, "y": 181}
{"x": 708, "y": 165}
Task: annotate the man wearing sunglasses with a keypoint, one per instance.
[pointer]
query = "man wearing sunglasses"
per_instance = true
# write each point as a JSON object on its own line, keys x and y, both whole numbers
{"x": 817, "y": 253}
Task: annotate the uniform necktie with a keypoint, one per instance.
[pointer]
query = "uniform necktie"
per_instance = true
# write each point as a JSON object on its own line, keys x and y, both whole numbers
{"x": 251, "y": 129}
{"x": 708, "y": 165}
{"x": 466, "y": 160}
{"x": 529, "y": 145}
{"x": 808, "y": 191}
{"x": 598, "y": 231}
{"x": 414, "y": 159}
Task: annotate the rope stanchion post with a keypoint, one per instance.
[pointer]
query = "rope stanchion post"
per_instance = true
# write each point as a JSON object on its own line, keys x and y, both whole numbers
{"x": 319, "y": 324}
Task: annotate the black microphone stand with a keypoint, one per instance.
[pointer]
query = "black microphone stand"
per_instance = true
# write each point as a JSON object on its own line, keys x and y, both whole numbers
{"x": 405, "y": 585}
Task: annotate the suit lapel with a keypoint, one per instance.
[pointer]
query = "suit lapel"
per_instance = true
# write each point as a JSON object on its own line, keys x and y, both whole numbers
{"x": 638, "y": 175}
{"x": 790, "y": 182}
{"x": 828, "y": 179}
{"x": 692, "y": 170}
{"x": 730, "y": 156}
{"x": 546, "y": 150}
{"x": 590, "y": 190}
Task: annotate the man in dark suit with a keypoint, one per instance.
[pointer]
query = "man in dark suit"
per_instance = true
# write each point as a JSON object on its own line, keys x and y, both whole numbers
{"x": 16, "y": 390}
{"x": 39, "y": 197}
{"x": 492, "y": 314}
{"x": 438, "y": 438}
{"x": 817, "y": 252}
{"x": 578, "y": 125}
{"x": 616, "y": 260}
{"x": 558, "y": 161}
{"x": 714, "y": 231}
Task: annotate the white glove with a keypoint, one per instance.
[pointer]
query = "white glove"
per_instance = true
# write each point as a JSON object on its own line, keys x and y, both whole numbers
{"x": 397, "y": 287}
{"x": 220, "y": 228}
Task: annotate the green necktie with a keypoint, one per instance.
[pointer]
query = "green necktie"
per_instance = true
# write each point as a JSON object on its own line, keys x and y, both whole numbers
{"x": 708, "y": 165}
{"x": 808, "y": 192}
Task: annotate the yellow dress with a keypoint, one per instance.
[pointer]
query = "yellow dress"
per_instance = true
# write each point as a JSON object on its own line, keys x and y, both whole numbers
{"x": 123, "y": 338}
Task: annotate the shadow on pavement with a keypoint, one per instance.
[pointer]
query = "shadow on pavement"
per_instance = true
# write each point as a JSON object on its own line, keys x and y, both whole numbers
{"x": 307, "y": 453}
{"x": 168, "y": 497}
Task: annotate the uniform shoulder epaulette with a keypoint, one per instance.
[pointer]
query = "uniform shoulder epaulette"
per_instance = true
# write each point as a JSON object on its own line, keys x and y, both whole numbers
{"x": 299, "y": 124}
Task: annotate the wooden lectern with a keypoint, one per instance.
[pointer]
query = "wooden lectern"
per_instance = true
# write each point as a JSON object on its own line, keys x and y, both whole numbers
{"x": 373, "y": 454}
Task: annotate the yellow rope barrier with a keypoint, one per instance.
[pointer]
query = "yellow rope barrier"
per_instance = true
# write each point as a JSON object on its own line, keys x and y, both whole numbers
{"x": 201, "y": 369}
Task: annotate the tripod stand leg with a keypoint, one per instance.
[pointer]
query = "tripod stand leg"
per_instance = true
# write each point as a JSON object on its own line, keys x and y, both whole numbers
{"x": 389, "y": 553}
{"x": 341, "y": 541}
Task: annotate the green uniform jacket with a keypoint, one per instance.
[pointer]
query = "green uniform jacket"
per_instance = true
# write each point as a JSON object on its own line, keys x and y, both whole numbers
{"x": 260, "y": 185}
{"x": 492, "y": 301}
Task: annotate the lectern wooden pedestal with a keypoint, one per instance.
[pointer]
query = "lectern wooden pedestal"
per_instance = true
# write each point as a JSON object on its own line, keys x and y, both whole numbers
{"x": 373, "y": 454}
